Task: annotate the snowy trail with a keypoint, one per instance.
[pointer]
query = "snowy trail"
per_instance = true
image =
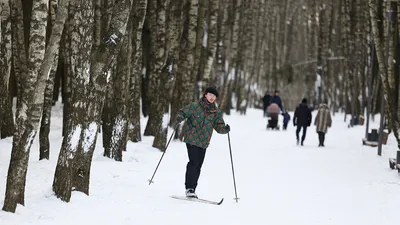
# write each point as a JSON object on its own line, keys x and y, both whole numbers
{"x": 278, "y": 182}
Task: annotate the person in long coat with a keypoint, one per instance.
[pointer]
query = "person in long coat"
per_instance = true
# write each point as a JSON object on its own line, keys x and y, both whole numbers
{"x": 322, "y": 122}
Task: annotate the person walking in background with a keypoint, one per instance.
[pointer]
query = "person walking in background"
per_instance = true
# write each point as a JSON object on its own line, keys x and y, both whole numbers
{"x": 286, "y": 119}
{"x": 202, "y": 117}
{"x": 266, "y": 100}
{"x": 277, "y": 100}
{"x": 302, "y": 119}
{"x": 323, "y": 120}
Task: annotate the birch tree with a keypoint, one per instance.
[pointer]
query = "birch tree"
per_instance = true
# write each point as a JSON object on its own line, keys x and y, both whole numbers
{"x": 48, "y": 96}
{"x": 6, "y": 115}
{"x": 74, "y": 162}
{"x": 211, "y": 42}
{"x": 117, "y": 135}
{"x": 40, "y": 61}
{"x": 156, "y": 19}
{"x": 386, "y": 68}
{"x": 136, "y": 72}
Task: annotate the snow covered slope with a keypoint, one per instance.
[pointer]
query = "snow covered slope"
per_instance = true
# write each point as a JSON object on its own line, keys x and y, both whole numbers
{"x": 277, "y": 181}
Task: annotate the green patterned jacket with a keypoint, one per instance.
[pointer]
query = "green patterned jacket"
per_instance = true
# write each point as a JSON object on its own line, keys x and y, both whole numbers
{"x": 202, "y": 118}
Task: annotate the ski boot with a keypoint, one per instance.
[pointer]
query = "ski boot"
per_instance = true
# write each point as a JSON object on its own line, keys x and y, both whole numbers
{"x": 190, "y": 193}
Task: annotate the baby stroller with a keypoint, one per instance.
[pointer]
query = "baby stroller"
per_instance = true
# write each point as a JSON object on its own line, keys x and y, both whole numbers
{"x": 273, "y": 114}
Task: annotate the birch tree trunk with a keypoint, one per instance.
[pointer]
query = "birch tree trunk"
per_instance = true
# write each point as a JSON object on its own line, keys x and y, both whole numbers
{"x": 81, "y": 43}
{"x": 117, "y": 111}
{"x": 157, "y": 22}
{"x": 160, "y": 81}
{"x": 312, "y": 29}
{"x": 386, "y": 68}
{"x": 150, "y": 79}
{"x": 6, "y": 115}
{"x": 19, "y": 54}
{"x": 74, "y": 163}
{"x": 69, "y": 72}
{"x": 223, "y": 35}
{"x": 231, "y": 73}
{"x": 180, "y": 67}
{"x": 97, "y": 23}
{"x": 201, "y": 35}
{"x": 187, "y": 57}
{"x": 103, "y": 60}
{"x": 44, "y": 151}
{"x": 175, "y": 31}
{"x": 27, "y": 122}
{"x": 136, "y": 73}
{"x": 211, "y": 42}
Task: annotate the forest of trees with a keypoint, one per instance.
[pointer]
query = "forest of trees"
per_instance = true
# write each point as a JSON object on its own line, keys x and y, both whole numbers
{"x": 109, "y": 62}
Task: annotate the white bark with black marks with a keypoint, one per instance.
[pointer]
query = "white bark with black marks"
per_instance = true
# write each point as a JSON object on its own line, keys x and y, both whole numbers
{"x": 29, "y": 115}
{"x": 102, "y": 60}
{"x": 6, "y": 115}
{"x": 136, "y": 72}
{"x": 211, "y": 42}
{"x": 48, "y": 72}
{"x": 81, "y": 33}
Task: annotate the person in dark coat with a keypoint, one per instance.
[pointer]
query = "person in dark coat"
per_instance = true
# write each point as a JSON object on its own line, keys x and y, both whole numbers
{"x": 302, "y": 119}
{"x": 286, "y": 119}
{"x": 266, "y": 100}
{"x": 277, "y": 100}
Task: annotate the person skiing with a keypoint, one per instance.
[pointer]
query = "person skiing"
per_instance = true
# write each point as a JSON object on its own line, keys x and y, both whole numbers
{"x": 323, "y": 120}
{"x": 277, "y": 100}
{"x": 302, "y": 119}
{"x": 201, "y": 118}
{"x": 266, "y": 100}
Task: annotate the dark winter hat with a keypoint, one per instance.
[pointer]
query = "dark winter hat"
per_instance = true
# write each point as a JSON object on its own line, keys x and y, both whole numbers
{"x": 212, "y": 90}
{"x": 304, "y": 101}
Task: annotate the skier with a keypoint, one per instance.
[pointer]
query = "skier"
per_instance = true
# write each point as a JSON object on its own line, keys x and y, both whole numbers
{"x": 201, "y": 118}
{"x": 322, "y": 122}
{"x": 302, "y": 119}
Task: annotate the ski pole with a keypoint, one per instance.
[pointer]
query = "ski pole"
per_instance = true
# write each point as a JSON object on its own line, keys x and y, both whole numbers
{"x": 233, "y": 171}
{"x": 165, "y": 150}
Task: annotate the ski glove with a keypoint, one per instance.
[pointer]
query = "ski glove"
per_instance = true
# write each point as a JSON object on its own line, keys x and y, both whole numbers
{"x": 227, "y": 128}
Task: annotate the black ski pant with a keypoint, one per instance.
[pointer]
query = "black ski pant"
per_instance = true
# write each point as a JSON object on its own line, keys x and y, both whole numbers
{"x": 321, "y": 137}
{"x": 299, "y": 127}
{"x": 193, "y": 168}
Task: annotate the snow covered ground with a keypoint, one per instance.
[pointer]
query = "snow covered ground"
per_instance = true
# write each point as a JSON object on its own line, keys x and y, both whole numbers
{"x": 277, "y": 181}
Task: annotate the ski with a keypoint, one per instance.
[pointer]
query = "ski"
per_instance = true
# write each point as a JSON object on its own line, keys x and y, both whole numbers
{"x": 198, "y": 200}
